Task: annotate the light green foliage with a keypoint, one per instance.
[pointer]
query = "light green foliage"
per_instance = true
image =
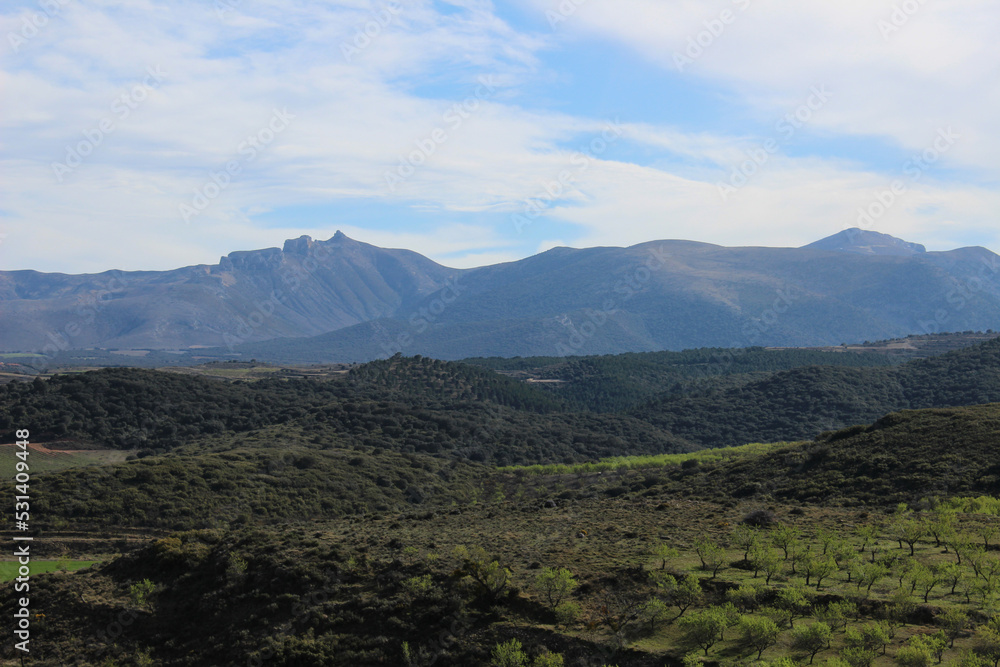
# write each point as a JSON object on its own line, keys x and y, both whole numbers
{"x": 490, "y": 578}
{"x": 759, "y": 633}
{"x": 858, "y": 656}
{"x": 954, "y": 622}
{"x": 766, "y": 560}
{"x": 811, "y": 639}
{"x": 783, "y": 537}
{"x": 555, "y": 584}
{"x": 568, "y": 612}
{"x": 548, "y": 660}
{"x": 987, "y": 643}
{"x": 871, "y": 637}
{"x": 713, "y": 557}
{"x": 663, "y": 553}
{"x": 796, "y": 600}
{"x": 836, "y": 614}
{"x": 704, "y": 627}
{"x": 819, "y": 567}
{"x": 139, "y": 592}
{"x": 509, "y": 654}
{"x": 746, "y": 538}
{"x": 687, "y": 594}
{"x": 745, "y": 597}
{"x": 654, "y": 612}
{"x": 914, "y": 656}
{"x": 418, "y": 586}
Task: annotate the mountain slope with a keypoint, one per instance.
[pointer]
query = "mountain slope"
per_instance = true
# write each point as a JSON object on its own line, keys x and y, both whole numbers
{"x": 902, "y": 457}
{"x": 341, "y": 300}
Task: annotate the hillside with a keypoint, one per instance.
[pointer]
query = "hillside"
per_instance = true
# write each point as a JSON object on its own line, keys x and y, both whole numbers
{"x": 646, "y": 553}
{"x": 403, "y": 405}
{"x": 800, "y": 403}
{"x": 341, "y": 300}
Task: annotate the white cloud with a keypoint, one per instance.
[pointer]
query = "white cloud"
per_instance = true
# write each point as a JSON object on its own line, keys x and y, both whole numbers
{"x": 358, "y": 112}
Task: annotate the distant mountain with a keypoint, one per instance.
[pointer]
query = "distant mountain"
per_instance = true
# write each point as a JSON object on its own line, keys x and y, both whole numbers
{"x": 342, "y": 300}
{"x": 867, "y": 243}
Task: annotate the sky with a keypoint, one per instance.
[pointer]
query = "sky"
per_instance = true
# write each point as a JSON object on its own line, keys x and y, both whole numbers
{"x": 154, "y": 134}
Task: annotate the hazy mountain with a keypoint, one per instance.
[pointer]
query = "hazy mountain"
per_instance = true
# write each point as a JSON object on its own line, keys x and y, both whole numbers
{"x": 345, "y": 300}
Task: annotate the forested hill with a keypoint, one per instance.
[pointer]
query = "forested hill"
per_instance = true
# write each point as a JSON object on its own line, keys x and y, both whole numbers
{"x": 902, "y": 457}
{"x": 407, "y": 405}
{"x": 610, "y": 383}
{"x": 800, "y": 403}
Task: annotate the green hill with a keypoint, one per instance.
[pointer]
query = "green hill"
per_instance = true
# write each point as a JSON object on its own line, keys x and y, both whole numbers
{"x": 802, "y": 402}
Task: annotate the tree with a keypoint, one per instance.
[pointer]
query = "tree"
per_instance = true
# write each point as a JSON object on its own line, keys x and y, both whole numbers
{"x": 687, "y": 593}
{"x": 987, "y": 531}
{"x": 620, "y": 608}
{"x": 836, "y": 614}
{"x": 811, "y": 639}
{"x": 951, "y": 575}
{"x": 871, "y": 637}
{"x": 868, "y": 534}
{"x": 663, "y": 553}
{"x": 821, "y": 568}
{"x": 704, "y": 628}
{"x": 758, "y": 633}
{"x": 712, "y": 556}
{"x": 783, "y": 537}
{"x": 796, "y": 600}
{"x": 925, "y": 579}
{"x": 987, "y": 644}
{"x": 489, "y": 576}
{"x": 548, "y": 660}
{"x": 509, "y": 654}
{"x": 746, "y": 538}
{"x": 745, "y": 597}
{"x": 555, "y": 584}
{"x": 870, "y": 574}
{"x": 910, "y": 531}
{"x": 654, "y": 611}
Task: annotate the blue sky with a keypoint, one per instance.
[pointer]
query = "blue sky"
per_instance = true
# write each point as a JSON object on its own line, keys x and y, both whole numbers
{"x": 153, "y": 134}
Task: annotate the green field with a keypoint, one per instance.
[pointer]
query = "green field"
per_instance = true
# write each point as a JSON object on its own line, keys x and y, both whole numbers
{"x": 8, "y": 569}
{"x": 42, "y": 461}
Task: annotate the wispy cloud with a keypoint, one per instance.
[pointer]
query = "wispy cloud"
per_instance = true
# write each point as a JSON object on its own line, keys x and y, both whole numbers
{"x": 370, "y": 83}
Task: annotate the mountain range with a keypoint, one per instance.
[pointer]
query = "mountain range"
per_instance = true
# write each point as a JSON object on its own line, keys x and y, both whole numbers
{"x": 344, "y": 300}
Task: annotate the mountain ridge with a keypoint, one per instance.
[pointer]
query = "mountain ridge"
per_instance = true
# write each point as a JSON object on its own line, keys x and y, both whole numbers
{"x": 312, "y": 299}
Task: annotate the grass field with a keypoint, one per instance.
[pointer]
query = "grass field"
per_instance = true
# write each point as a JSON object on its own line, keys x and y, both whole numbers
{"x": 8, "y": 569}
{"x": 41, "y": 459}
{"x": 657, "y": 461}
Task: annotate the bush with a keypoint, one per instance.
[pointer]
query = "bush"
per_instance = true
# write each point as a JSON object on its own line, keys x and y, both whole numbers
{"x": 760, "y": 519}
